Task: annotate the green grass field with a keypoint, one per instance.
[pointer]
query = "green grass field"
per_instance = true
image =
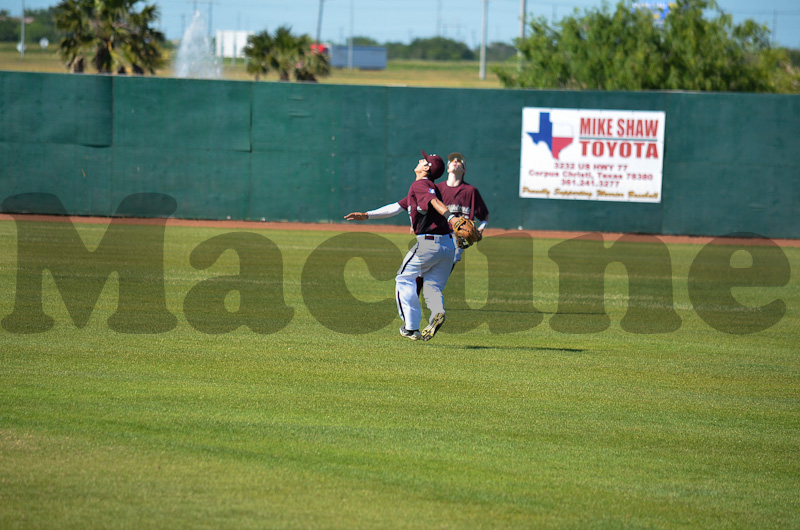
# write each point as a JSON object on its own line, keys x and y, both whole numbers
{"x": 312, "y": 428}
{"x": 448, "y": 74}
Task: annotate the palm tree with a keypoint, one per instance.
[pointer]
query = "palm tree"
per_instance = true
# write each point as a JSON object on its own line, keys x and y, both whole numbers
{"x": 143, "y": 52}
{"x": 72, "y": 17}
{"x": 313, "y": 64}
{"x": 287, "y": 51}
{"x": 112, "y": 33}
{"x": 286, "y": 54}
{"x": 259, "y": 53}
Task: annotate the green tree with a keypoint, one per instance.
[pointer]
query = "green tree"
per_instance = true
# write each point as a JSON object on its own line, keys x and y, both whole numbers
{"x": 396, "y": 50}
{"x": 363, "y": 41}
{"x": 498, "y": 52}
{"x": 287, "y": 51}
{"x": 111, "y": 34}
{"x": 73, "y": 18}
{"x": 43, "y": 25}
{"x": 794, "y": 57}
{"x": 144, "y": 51}
{"x": 439, "y": 49}
{"x": 697, "y": 47}
{"x": 9, "y": 27}
{"x": 312, "y": 65}
{"x": 259, "y": 54}
{"x": 432, "y": 49}
{"x": 288, "y": 55}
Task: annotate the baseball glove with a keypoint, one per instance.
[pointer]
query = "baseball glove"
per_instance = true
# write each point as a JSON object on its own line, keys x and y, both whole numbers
{"x": 465, "y": 232}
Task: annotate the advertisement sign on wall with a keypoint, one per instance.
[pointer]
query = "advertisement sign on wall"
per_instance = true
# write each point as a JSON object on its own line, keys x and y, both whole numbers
{"x": 603, "y": 155}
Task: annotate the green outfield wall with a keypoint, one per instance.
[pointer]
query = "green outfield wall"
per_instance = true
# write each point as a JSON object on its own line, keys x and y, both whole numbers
{"x": 314, "y": 152}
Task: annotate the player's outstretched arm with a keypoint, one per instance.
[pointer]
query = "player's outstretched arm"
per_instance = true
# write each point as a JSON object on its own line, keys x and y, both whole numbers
{"x": 356, "y": 216}
{"x": 381, "y": 213}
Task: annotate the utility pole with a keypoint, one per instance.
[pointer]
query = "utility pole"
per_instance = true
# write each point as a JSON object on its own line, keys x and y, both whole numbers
{"x": 319, "y": 21}
{"x": 522, "y": 14}
{"x": 235, "y": 38}
{"x": 483, "y": 39}
{"x": 774, "y": 27}
{"x": 439, "y": 18}
{"x": 22, "y": 32}
{"x": 350, "y": 48}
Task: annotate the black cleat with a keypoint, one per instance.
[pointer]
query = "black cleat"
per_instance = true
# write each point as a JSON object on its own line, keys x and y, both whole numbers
{"x": 410, "y": 334}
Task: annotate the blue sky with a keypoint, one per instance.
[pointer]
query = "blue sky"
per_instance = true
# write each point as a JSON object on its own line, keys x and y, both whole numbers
{"x": 404, "y": 20}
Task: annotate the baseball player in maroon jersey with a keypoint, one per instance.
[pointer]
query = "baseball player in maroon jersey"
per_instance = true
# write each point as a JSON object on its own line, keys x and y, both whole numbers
{"x": 461, "y": 198}
{"x": 431, "y": 257}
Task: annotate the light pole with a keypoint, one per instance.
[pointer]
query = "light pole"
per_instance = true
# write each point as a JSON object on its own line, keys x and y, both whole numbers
{"x": 319, "y": 21}
{"x": 483, "y": 39}
{"x": 350, "y": 46}
{"x": 439, "y": 18}
{"x": 522, "y": 10}
{"x": 22, "y": 32}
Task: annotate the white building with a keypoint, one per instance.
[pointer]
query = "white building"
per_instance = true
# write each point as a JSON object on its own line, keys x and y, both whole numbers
{"x": 231, "y": 43}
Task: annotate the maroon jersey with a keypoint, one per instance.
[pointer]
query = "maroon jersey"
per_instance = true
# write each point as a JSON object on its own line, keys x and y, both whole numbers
{"x": 424, "y": 218}
{"x": 464, "y": 200}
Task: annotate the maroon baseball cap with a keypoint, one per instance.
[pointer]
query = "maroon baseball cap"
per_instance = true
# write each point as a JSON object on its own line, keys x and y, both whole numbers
{"x": 437, "y": 165}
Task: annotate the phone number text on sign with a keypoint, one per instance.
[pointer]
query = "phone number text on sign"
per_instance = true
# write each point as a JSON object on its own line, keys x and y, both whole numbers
{"x": 604, "y": 155}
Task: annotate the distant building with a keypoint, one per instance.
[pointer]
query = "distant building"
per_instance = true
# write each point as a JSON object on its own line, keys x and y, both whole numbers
{"x": 231, "y": 43}
{"x": 362, "y": 57}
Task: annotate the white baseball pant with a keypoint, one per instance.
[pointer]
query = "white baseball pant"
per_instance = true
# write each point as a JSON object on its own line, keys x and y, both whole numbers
{"x": 432, "y": 258}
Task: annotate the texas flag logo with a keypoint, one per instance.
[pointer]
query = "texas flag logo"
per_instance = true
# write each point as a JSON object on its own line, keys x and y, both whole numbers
{"x": 555, "y": 140}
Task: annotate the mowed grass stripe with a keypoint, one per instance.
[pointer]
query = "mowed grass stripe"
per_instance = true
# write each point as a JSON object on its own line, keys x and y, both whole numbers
{"x": 309, "y": 427}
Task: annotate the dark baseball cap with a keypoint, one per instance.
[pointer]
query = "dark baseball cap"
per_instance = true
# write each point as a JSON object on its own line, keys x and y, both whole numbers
{"x": 437, "y": 165}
